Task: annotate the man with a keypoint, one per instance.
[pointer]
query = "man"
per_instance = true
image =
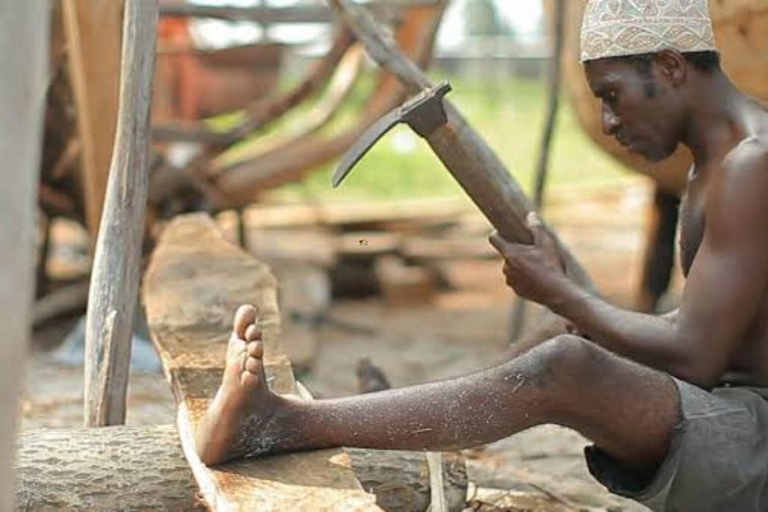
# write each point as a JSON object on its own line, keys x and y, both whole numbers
{"x": 674, "y": 405}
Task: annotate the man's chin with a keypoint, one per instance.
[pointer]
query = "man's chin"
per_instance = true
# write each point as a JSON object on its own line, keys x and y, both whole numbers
{"x": 654, "y": 155}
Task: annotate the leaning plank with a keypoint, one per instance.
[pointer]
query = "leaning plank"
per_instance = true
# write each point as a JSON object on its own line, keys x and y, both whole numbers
{"x": 93, "y": 32}
{"x": 23, "y": 59}
{"x": 193, "y": 285}
{"x": 116, "y": 273}
{"x": 115, "y": 468}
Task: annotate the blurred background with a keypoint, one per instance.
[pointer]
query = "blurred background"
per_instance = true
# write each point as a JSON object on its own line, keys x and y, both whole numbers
{"x": 254, "y": 103}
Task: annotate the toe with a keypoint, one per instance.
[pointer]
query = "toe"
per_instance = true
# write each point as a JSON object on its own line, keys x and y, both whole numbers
{"x": 249, "y": 379}
{"x": 253, "y": 365}
{"x": 252, "y": 333}
{"x": 244, "y": 317}
{"x": 256, "y": 349}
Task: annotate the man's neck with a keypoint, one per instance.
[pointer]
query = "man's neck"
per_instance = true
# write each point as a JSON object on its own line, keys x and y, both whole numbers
{"x": 715, "y": 123}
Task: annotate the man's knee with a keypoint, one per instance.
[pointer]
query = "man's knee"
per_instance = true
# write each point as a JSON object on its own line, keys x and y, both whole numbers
{"x": 566, "y": 356}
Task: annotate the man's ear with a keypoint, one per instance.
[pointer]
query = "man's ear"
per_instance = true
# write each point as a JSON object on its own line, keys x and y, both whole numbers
{"x": 672, "y": 66}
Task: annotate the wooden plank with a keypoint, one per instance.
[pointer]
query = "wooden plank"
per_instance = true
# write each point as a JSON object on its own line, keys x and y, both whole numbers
{"x": 93, "y": 31}
{"x": 23, "y": 59}
{"x": 356, "y": 214}
{"x": 193, "y": 285}
{"x": 116, "y": 267}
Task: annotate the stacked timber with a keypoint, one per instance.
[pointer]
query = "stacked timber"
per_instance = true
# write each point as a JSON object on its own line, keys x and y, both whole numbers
{"x": 393, "y": 250}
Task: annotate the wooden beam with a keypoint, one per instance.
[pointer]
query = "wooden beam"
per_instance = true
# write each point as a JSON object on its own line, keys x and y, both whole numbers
{"x": 194, "y": 283}
{"x": 268, "y": 15}
{"x": 415, "y": 34}
{"x": 314, "y": 119}
{"x": 116, "y": 268}
{"x": 93, "y": 31}
{"x": 24, "y": 60}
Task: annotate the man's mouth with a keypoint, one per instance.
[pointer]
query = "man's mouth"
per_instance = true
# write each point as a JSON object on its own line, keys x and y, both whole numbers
{"x": 631, "y": 146}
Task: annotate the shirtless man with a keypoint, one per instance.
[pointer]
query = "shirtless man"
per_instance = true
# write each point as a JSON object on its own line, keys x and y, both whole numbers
{"x": 677, "y": 406}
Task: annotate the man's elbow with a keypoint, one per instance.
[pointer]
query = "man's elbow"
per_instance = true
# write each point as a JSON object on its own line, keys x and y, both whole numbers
{"x": 698, "y": 373}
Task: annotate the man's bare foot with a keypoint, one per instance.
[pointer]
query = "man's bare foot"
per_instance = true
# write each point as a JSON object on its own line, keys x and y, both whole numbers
{"x": 243, "y": 405}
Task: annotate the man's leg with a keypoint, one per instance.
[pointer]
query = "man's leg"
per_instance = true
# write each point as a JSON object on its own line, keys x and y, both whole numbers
{"x": 628, "y": 410}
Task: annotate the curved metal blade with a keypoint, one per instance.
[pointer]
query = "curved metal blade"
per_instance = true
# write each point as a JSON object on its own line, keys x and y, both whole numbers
{"x": 366, "y": 141}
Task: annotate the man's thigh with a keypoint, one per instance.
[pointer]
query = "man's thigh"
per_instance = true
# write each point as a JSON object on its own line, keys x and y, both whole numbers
{"x": 629, "y": 410}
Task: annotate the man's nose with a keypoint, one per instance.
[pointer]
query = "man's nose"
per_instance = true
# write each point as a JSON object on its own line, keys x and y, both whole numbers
{"x": 611, "y": 121}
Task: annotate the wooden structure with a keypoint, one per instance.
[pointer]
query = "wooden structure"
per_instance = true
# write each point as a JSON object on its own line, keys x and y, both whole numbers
{"x": 241, "y": 181}
{"x": 23, "y": 55}
{"x": 117, "y": 262}
{"x": 93, "y": 31}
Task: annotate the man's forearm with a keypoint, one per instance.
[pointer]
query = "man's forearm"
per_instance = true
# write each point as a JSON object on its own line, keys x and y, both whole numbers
{"x": 646, "y": 339}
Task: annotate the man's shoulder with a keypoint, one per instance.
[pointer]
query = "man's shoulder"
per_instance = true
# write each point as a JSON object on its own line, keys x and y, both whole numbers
{"x": 749, "y": 156}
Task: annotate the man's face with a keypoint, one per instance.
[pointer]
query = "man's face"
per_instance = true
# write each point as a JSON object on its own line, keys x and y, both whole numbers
{"x": 636, "y": 107}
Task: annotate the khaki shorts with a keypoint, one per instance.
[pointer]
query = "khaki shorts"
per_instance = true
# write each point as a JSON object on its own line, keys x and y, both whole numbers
{"x": 718, "y": 459}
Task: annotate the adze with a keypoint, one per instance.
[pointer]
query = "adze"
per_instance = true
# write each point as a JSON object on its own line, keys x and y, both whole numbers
{"x": 493, "y": 192}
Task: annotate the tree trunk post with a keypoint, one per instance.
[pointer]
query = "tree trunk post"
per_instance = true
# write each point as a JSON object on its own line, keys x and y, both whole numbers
{"x": 116, "y": 268}
{"x": 23, "y": 58}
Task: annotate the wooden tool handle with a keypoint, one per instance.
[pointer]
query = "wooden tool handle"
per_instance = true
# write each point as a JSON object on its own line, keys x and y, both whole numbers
{"x": 489, "y": 190}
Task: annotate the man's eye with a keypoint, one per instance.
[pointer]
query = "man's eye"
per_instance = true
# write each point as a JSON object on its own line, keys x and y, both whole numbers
{"x": 611, "y": 96}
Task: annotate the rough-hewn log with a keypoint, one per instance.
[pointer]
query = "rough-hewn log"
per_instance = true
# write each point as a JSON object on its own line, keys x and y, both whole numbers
{"x": 24, "y": 60}
{"x": 400, "y": 480}
{"x": 144, "y": 468}
{"x": 115, "y": 468}
{"x": 93, "y": 34}
{"x": 116, "y": 272}
{"x": 193, "y": 285}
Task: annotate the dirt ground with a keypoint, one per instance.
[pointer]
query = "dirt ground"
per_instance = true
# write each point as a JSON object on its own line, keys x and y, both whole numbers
{"x": 457, "y": 332}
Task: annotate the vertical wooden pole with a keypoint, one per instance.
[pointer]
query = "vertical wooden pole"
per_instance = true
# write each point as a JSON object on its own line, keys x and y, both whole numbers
{"x": 93, "y": 33}
{"x": 116, "y": 267}
{"x": 24, "y": 32}
{"x": 542, "y": 168}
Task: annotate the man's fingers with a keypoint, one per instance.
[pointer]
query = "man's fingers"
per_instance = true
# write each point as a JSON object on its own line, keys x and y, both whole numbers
{"x": 532, "y": 218}
{"x": 498, "y": 242}
{"x": 536, "y": 226}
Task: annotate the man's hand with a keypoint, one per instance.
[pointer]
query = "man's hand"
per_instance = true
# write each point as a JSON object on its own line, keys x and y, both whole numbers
{"x": 536, "y": 272}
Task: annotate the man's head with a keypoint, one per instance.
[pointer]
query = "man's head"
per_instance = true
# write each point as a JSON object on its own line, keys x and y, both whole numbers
{"x": 640, "y": 58}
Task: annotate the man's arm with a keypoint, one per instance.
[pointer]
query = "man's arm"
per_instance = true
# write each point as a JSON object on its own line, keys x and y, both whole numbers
{"x": 722, "y": 293}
